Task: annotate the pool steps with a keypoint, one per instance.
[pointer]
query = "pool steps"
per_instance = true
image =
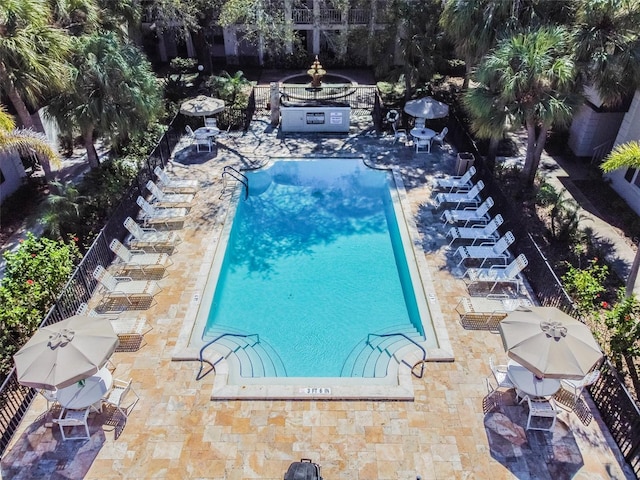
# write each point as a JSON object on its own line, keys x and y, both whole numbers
{"x": 369, "y": 360}
{"x": 372, "y": 359}
{"x": 255, "y": 359}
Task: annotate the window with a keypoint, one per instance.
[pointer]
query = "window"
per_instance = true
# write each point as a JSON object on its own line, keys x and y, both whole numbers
{"x": 633, "y": 176}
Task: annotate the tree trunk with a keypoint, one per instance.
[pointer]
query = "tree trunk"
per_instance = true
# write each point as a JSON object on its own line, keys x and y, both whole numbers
{"x": 633, "y": 274}
{"x": 467, "y": 74}
{"x": 92, "y": 153}
{"x": 492, "y": 152}
{"x": 535, "y": 146}
{"x": 407, "y": 82}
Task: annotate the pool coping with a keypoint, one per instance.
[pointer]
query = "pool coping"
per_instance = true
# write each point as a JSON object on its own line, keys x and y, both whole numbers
{"x": 395, "y": 386}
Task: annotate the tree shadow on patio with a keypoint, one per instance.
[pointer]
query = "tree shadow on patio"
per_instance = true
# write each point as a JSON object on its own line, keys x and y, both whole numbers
{"x": 41, "y": 453}
{"x": 532, "y": 454}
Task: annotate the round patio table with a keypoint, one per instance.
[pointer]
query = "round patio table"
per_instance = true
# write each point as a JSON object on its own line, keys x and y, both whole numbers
{"x": 525, "y": 381}
{"x": 422, "y": 133}
{"x": 87, "y": 392}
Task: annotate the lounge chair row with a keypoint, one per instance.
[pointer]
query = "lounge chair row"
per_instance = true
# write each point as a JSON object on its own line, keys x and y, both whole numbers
{"x": 471, "y": 224}
{"x": 147, "y": 253}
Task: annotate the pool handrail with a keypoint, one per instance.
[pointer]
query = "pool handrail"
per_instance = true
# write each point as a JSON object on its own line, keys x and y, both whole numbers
{"x": 239, "y": 176}
{"x": 213, "y": 365}
{"x": 398, "y": 334}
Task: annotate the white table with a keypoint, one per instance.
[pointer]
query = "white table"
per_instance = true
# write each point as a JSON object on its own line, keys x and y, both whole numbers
{"x": 77, "y": 396}
{"x": 422, "y": 133}
{"x": 525, "y": 381}
{"x": 206, "y": 131}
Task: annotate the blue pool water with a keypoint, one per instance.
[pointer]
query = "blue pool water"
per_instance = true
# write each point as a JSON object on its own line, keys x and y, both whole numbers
{"x": 314, "y": 263}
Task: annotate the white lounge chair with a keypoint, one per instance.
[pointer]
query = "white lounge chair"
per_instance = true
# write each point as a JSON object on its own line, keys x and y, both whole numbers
{"x": 175, "y": 185}
{"x": 497, "y": 250}
{"x": 133, "y": 291}
{"x": 160, "y": 216}
{"x": 149, "y": 238}
{"x": 471, "y": 197}
{"x": 140, "y": 260}
{"x": 162, "y": 199}
{"x": 439, "y": 138}
{"x": 130, "y": 330}
{"x": 399, "y": 133}
{"x": 469, "y": 215}
{"x": 461, "y": 183}
{"x": 499, "y": 273}
{"x": 477, "y": 233}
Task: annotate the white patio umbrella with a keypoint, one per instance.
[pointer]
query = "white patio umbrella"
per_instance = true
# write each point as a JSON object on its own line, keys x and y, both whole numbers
{"x": 549, "y": 343}
{"x": 66, "y": 352}
{"x": 426, "y": 107}
{"x": 202, "y": 106}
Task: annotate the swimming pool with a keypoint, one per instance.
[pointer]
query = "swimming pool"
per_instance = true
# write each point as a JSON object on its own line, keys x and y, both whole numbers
{"x": 312, "y": 263}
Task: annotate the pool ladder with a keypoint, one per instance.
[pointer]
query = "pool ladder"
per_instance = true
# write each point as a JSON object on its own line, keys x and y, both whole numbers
{"x": 200, "y": 374}
{"x": 240, "y": 177}
{"x": 424, "y": 352}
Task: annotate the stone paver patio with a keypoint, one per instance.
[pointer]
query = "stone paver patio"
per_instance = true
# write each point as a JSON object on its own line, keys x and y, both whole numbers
{"x": 452, "y": 429}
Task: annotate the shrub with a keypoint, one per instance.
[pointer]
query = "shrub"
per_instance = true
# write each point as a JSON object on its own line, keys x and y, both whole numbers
{"x": 34, "y": 275}
{"x": 586, "y": 285}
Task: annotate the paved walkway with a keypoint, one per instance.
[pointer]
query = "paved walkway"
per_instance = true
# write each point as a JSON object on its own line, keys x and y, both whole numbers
{"x": 451, "y": 430}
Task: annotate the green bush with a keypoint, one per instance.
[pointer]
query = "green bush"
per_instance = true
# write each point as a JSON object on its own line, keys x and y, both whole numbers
{"x": 586, "y": 285}
{"x": 34, "y": 276}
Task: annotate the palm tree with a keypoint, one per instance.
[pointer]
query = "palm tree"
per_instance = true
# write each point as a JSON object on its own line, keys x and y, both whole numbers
{"x": 626, "y": 155}
{"x": 531, "y": 76}
{"x": 113, "y": 90}
{"x": 607, "y": 47}
{"x": 228, "y": 86}
{"x": 473, "y": 27}
{"x": 25, "y": 142}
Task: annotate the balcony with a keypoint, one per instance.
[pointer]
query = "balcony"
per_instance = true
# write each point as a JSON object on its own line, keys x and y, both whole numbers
{"x": 331, "y": 16}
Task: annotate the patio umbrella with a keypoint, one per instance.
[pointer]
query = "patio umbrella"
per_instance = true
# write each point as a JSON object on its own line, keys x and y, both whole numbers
{"x": 426, "y": 107}
{"x": 549, "y": 343}
{"x": 61, "y": 354}
{"x": 202, "y": 106}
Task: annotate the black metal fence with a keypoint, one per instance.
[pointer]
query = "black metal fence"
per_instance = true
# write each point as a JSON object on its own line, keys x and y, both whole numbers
{"x": 361, "y": 98}
{"x": 617, "y": 407}
{"x": 15, "y": 398}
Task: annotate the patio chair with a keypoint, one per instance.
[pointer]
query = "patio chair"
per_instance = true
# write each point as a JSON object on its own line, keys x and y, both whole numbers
{"x": 541, "y": 408}
{"x": 399, "y": 133}
{"x": 471, "y": 197}
{"x": 71, "y": 419}
{"x": 469, "y": 215}
{"x": 175, "y": 185}
{"x": 162, "y": 199}
{"x": 423, "y": 145}
{"x": 476, "y": 233}
{"x": 499, "y": 375}
{"x": 135, "y": 292}
{"x": 455, "y": 183}
{"x": 167, "y": 217}
{"x": 190, "y": 133}
{"x": 149, "y": 238}
{"x": 575, "y": 387}
{"x": 439, "y": 138}
{"x": 51, "y": 396}
{"x": 130, "y": 330}
{"x": 118, "y": 396}
{"x": 140, "y": 260}
{"x": 499, "y": 273}
{"x": 203, "y": 141}
{"x": 489, "y": 251}
{"x": 210, "y": 122}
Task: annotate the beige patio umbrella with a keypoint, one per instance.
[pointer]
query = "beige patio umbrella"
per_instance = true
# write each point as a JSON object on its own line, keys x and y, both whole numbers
{"x": 549, "y": 343}
{"x": 202, "y": 106}
{"x": 61, "y": 354}
{"x": 426, "y": 107}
